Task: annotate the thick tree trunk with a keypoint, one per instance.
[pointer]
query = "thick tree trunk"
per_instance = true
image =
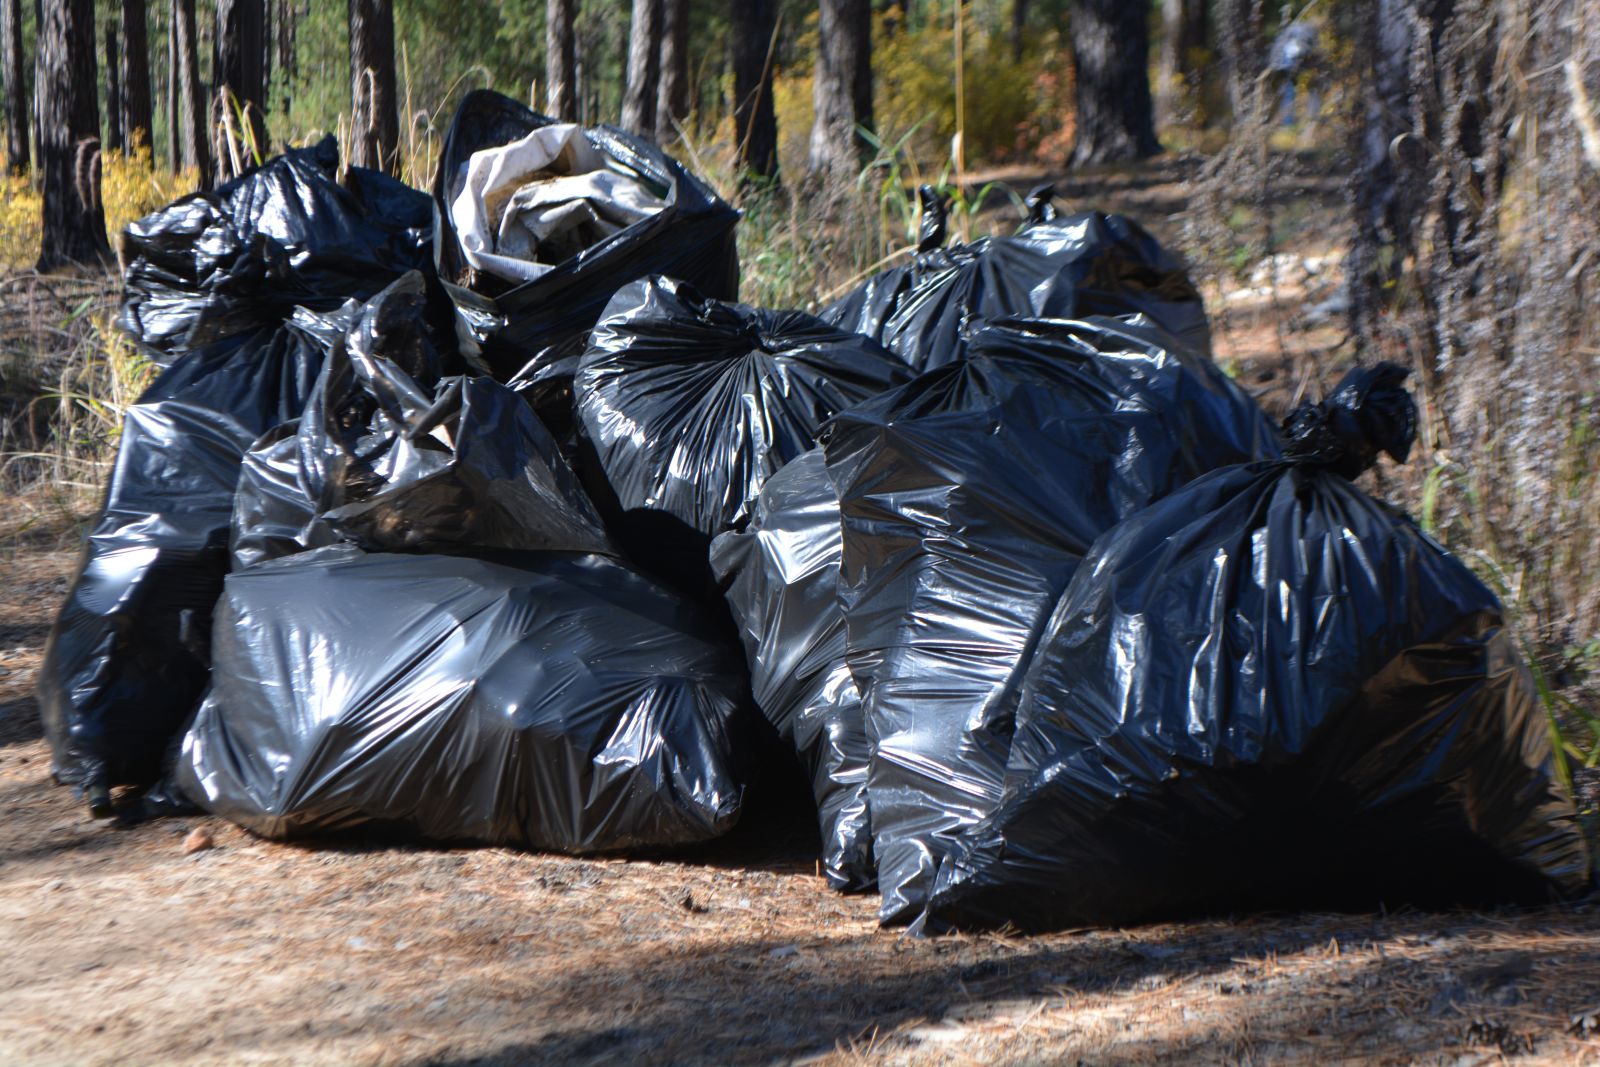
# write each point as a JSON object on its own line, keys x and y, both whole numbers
{"x": 113, "y": 89}
{"x": 644, "y": 59}
{"x": 174, "y": 115}
{"x": 1110, "y": 52}
{"x": 191, "y": 92}
{"x": 841, "y": 97}
{"x": 672, "y": 102}
{"x": 1240, "y": 41}
{"x": 561, "y": 60}
{"x": 17, "y": 95}
{"x": 74, "y": 225}
{"x": 236, "y": 72}
{"x": 754, "y": 123}
{"x": 375, "y": 133}
{"x": 134, "y": 100}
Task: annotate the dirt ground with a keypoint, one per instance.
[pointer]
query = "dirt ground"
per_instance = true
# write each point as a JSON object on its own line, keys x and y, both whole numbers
{"x": 121, "y": 947}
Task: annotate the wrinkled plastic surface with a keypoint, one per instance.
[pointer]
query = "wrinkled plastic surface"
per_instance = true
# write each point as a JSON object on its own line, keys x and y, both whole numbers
{"x": 288, "y": 234}
{"x": 126, "y": 661}
{"x": 968, "y": 498}
{"x": 392, "y": 455}
{"x": 1057, "y": 266}
{"x": 530, "y": 328}
{"x": 692, "y": 403}
{"x": 547, "y": 700}
{"x": 780, "y": 575}
{"x": 1269, "y": 690}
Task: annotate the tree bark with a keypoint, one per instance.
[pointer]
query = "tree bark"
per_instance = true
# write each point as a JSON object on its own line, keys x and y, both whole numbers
{"x": 672, "y": 102}
{"x": 561, "y": 60}
{"x": 134, "y": 100}
{"x": 17, "y": 95}
{"x": 375, "y": 133}
{"x": 1019, "y": 28}
{"x": 236, "y": 72}
{"x": 113, "y": 89}
{"x": 174, "y": 116}
{"x": 644, "y": 68}
{"x": 754, "y": 122}
{"x": 1185, "y": 31}
{"x": 191, "y": 93}
{"x": 74, "y": 225}
{"x": 841, "y": 93}
{"x": 1110, "y": 53}
{"x": 1239, "y": 35}
{"x": 288, "y": 61}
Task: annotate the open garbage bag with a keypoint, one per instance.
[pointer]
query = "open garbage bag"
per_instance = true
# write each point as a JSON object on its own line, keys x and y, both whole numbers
{"x": 287, "y": 234}
{"x": 392, "y": 455}
{"x": 548, "y": 700}
{"x": 968, "y": 497}
{"x": 1269, "y": 690}
{"x": 780, "y": 576}
{"x": 540, "y": 223}
{"x": 1069, "y": 266}
{"x": 691, "y": 404}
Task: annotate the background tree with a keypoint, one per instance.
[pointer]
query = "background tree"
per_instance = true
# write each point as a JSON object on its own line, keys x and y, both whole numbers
{"x": 561, "y": 61}
{"x": 191, "y": 91}
{"x": 17, "y": 95}
{"x": 1185, "y": 34}
{"x": 1110, "y": 52}
{"x": 113, "y": 88}
{"x": 375, "y": 122}
{"x": 133, "y": 101}
{"x": 237, "y": 72}
{"x": 174, "y": 105}
{"x": 644, "y": 59}
{"x": 751, "y": 31}
{"x": 74, "y": 225}
{"x": 672, "y": 102}
{"x": 842, "y": 88}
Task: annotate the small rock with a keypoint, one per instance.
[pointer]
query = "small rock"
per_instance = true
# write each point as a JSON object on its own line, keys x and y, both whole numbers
{"x": 784, "y": 951}
{"x": 199, "y": 840}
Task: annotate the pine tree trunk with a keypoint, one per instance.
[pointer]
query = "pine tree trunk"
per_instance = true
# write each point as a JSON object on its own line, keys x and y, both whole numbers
{"x": 672, "y": 102}
{"x": 644, "y": 59}
{"x": 1110, "y": 53}
{"x": 375, "y": 133}
{"x": 561, "y": 60}
{"x": 754, "y": 123}
{"x": 191, "y": 92}
{"x": 113, "y": 89}
{"x": 17, "y": 95}
{"x": 74, "y": 225}
{"x": 236, "y": 73}
{"x": 174, "y": 115}
{"x": 134, "y": 100}
{"x": 844, "y": 54}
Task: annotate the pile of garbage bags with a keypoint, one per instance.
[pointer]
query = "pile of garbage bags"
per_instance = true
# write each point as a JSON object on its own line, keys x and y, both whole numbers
{"x": 491, "y": 516}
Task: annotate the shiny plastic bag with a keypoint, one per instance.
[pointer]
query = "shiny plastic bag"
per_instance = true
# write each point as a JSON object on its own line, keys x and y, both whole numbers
{"x": 691, "y": 404}
{"x": 780, "y": 575}
{"x": 392, "y": 455}
{"x": 548, "y": 700}
{"x": 1057, "y": 266}
{"x": 968, "y": 498}
{"x": 1268, "y": 690}
{"x": 246, "y": 254}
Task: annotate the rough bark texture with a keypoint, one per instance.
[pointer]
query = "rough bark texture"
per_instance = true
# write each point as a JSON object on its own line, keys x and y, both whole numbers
{"x": 1240, "y": 42}
{"x": 841, "y": 92}
{"x": 113, "y": 89}
{"x": 1110, "y": 52}
{"x": 74, "y": 226}
{"x": 237, "y": 73}
{"x": 134, "y": 99}
{"x": 375, "y": 132}
{"x": 644, "y": 59}
{"x": 753, "y": 22}
{"x": 672, "y": 102}
{"x": 17, "y": 95}
{"x": 191, "y": 92}
{"x": 561, "y": 60}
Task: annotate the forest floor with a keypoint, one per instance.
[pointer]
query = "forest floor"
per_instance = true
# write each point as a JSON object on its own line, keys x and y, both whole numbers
{"x": 125, "y": 947}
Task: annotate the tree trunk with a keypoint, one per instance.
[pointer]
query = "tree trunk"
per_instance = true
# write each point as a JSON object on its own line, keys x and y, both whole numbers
{"x": 288, "y": 61}
{"x": 644, "y": 59}
{"x": 841, "y": 92}
{"x": 174, "y": 116}
{"x": 191, "y": 93}
{"x": 375, "y": 132}
{"x": 561, "y": 60}
{"x": 236, "y": 73}
{"x": 134, "y": 101}
{"x": 1110, "y": 53}
{"x": 755, "y": 125}
{"x": 672, "y": 103}
{"x": 74, "y": 225}
{"x": 1019, "y": 28}
{"x": 1185, "y": 31}
{"x": 113, "y": 89}
{"x": 17, "y": 95}
{"x": 1239, "y": 35}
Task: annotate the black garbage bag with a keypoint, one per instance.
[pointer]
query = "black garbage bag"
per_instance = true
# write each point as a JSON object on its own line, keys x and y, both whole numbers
{"x": 126, "y": 662}
{"x": 968, "y": 498}
{"x": 536, "y": 326}
{"x": 781, "y": 579}
{"x": 691, "y": 404}
{"x": 394, "y": 456}
{"x": 287, "y": 234}
{"x": 549, "y": 700}
{"x": 1057, "y": 266}
{"x": 1269, "y": 690}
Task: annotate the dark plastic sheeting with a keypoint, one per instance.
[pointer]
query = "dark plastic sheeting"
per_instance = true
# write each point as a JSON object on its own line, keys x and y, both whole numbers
{"x": 546, "y": 700}
{"x": 968, "y": 498}
{"x": 781, "y": 580}
{"x": 1269, "y": 690}
{"x": 391, "y": 455}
